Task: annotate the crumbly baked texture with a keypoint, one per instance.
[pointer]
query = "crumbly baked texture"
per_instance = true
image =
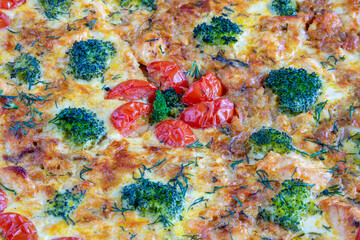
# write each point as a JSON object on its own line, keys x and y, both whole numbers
{"x": 228, "y": 184}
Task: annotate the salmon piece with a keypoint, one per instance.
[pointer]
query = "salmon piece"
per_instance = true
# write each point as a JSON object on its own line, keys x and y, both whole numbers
{"x": 342, "y": 216}
{"x": 283, "y": 167}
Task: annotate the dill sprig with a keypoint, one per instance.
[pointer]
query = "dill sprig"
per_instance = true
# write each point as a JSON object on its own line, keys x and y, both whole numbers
{"x": 196, "y": 144}
{"x": 330, "y": 191}
{"x": 234, "y": 163}
{"x": 335, "y": 170}
{"x": 11, "y": 105}
{"x": 8, "y": 189}
{"x": 197, "y": 201}
{"x": 84, "y": 170}
{"x": 318, "y": 109}
{"x": 91, "y": 24}
{"x": 21, "y": 125}
{"x": 194, "y": 71}
{"x": 331, "y": 148}
{"x": 162, "y": 219}
{"x": 216, "y": 188}
{"x": 121, "y": 210}
{"x": 152, "y": 167}
{"x": 264, "y": 178}
{"x": 322, "y": 151}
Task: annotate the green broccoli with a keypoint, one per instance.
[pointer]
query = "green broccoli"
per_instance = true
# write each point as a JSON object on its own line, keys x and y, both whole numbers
{"x": 291, "y": 205}
{"x": 298, "y": 90}
{"x": 153, "y": 198}
{"x": 63, "y": 204}
{"x": 269, "y": 139}
{"x": 80, "y": 126}
{"x": 167, "y": 104}
{"x": 284, "y": 7}
{"x": 221, "y": 31}
{"x": 26, "y": 69}
{"x": 149, "y": 4}
{"x": 90, "y": 59}
{"x": 53, "y": 8}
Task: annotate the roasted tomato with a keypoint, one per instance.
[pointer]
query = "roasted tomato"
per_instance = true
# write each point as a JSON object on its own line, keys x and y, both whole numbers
{"x": 4, "y": 20}
{"x": 10, "y": 4}
{"x": 358, "y": 235}
{"x": 68, "y": 238}
{"x": 3, "y": 201}
{"x": 208, "y": 88}
{"x": 123, "y": 118}
{"x": 17, "y": 227}
{"x": 167, "y": 75}
{"x": 133, "y": 90}
{"x": 175, "y": 133}
{"x": 209, "y": 114}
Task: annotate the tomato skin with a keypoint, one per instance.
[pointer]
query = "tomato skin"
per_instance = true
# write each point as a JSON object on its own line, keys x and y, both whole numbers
{"x": 209, "y": 114}
{"x": 68, "y": 238}
{"x": 123, "y": 117}
{"x": 358, "y": 235}
{"x": 3, "y": 201}
{"x": 133, "y": 90}
{"x": 175, "y": 133}
{"x": 17, "y": 227}
{"x": 10, "y": 4}
{"x": 4, "y": 20}
{"x": 168, "y": 75}
{"x": 208, "y": 88}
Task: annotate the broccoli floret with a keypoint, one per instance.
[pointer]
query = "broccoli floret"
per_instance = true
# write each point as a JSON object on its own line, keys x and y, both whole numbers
{"x": 63, "y": 204}
{"x": 269, "y": 139}
{"x": 153, "y": 198}
{"x": 284, "y": 7}
{"x": 149, "y": 4}
{"x": 90, "y": 59}
{"x": 167, "y": 104}
{"x": 221, "y": 31}
{"x": 80, "y": 126}
{"x": 291, "y": 205}
{"x": 298, "y": 90}
{"x": 26, "y": 69}
{"x": 53, "y": 8}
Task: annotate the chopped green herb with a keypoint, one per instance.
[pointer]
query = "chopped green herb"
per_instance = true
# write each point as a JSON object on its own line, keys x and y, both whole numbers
{"x": 8, "y": 189}
{"x": 215, "y": 188}
{"x": 194, "y": 71}
{"x": 318, "y": 109}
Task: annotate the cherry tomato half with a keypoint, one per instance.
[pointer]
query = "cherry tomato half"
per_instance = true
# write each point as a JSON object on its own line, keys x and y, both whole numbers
{"x": 358, "y": 235}
{"x": 123, "y": 117}
{"x": 133, "y": 90}
{"x": 168, "y": 74}
{"x": 175, "y": 133}
{"x": 17, "y": 227}
{"x": 208, "y": 88}
{"x": 4, "y": 20}
{"x": 68, "y": 238}
{"x": 10, "y": 4}
{"x": 209, "y": 114}
{"x": 3, "y": 201}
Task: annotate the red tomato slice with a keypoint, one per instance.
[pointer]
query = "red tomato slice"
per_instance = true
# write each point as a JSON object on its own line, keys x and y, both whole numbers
{"x": 133, "y": 90}
{"x": 3, "y": 201}
{"x": 358, "y": 235}
{"x": 209, "y": 114}
{"x": 4, "y": 20}
{"x": 17, "y": 227}
{"x": 10, "y": 4}
{"x": 208, "y": 88}
{"x": 175, "y": 133}
{"x": 168, "y": 75}
{"x": 123, "y": 117}
{"x": 68, "y": 238}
